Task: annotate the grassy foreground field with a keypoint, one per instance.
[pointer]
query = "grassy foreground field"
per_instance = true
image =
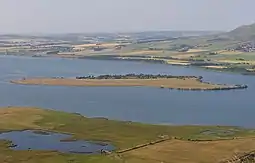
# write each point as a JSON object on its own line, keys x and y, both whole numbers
{"x": 176, "y": 151}
{"x": 123, "y": 135}
{"x": 175, "y": 83}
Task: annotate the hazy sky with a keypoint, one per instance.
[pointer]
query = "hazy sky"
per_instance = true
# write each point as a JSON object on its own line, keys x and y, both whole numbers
{"x": 60, "y": 16}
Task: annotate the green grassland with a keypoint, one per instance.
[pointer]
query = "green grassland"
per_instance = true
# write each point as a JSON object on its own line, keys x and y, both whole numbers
{"x": 121, "y": 134}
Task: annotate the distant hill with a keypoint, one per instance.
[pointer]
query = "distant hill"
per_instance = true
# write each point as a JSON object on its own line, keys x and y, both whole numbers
{"x": 243, "y": 33}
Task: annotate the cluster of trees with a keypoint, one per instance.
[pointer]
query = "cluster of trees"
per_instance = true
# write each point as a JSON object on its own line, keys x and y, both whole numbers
{"x": 182, "y": 47}
{"x": 135, "y": 76}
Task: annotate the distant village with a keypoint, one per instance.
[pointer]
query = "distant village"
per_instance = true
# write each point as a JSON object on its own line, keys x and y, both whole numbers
{"x": 244, "y": 47}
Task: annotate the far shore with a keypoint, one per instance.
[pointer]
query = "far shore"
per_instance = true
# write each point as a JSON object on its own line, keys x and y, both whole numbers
{"x": 221, "y": 66}
{"x": 189, "y": 83}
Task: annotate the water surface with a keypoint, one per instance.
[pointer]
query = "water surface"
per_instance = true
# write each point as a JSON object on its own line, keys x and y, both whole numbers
{"x": 148, "y": 105}
{"x": 30, "y": 140}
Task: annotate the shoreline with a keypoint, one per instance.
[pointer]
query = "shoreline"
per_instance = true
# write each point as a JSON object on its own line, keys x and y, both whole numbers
{"x": 218, "y": 67}
{"x": 146, "y": 59}
{"x": 185, "y": 83}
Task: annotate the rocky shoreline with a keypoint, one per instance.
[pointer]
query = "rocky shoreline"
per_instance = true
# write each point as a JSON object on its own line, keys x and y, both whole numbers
{"x": 235, "y": 87}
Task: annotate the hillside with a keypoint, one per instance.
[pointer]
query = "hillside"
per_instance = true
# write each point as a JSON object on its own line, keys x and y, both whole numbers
{"x": 243, "y": 33}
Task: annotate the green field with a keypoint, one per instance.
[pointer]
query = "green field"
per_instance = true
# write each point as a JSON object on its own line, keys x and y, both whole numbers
{"x": 121, "y": 134}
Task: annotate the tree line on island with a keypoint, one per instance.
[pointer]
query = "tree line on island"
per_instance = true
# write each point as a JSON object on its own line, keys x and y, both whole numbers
{"x": 137, "y": 76}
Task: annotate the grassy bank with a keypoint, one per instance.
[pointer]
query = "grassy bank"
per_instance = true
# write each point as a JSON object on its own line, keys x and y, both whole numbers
{"x": 121, "y": 134}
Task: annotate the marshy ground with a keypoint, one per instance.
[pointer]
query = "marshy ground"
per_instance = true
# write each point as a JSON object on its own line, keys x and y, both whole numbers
{"x": 219, "y": 142}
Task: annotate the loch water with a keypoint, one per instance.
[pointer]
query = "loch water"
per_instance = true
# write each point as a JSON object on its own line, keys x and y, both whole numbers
{"x": 32, "y": 140}
{"x": 141, "y": 104}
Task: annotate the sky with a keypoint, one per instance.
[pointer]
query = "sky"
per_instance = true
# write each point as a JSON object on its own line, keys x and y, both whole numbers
{"x": 89, "y": 16}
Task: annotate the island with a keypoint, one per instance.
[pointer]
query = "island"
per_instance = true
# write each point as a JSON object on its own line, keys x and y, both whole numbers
{"x": 134, "y": 142}
{"x": 132, "y": 80}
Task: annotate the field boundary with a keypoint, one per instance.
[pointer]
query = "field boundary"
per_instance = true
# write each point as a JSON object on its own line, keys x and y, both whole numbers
{"x": 143, "y": 145}
{"x": 175, "y": 138}
{"x": 250, "y": 156}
